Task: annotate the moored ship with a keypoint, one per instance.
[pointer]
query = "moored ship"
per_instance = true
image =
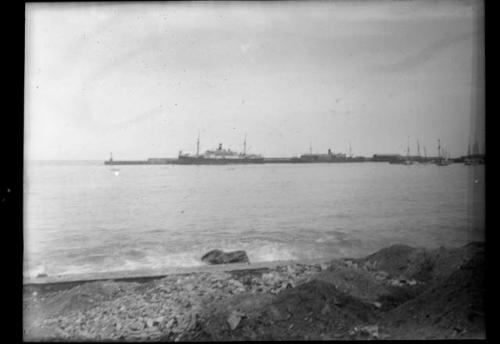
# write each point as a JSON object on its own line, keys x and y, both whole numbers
{"x": 219, "y": 156}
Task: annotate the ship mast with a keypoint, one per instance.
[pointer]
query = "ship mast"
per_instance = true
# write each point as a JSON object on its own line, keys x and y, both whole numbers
{"x": 310, "y": 148}
{"x": 418, "y": 148}
{"x": 439, "y": 148}
{"x": 350, "y": 150}
{"x": 111, "y": 156}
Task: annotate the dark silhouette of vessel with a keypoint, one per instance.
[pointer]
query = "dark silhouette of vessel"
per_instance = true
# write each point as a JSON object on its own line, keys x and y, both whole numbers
{"x": 219, "y": 156}
{"x": 223, "y": 156}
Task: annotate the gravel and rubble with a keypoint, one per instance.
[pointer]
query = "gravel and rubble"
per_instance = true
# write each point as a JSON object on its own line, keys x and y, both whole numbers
{"x": 398, "y": 292}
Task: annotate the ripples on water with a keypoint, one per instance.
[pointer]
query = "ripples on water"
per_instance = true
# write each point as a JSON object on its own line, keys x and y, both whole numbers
{"x": 85, "y": 217}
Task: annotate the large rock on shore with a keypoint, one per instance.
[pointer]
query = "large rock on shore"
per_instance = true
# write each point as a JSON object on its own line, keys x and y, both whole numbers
{"x": 452, "y": 308}
{"x": 426, "y": 265}
{"x": 220, "y": 257}
{"x": 355, "y": 282}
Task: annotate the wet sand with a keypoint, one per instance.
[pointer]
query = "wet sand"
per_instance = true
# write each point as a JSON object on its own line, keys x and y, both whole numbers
{"x": 399, "y": 292}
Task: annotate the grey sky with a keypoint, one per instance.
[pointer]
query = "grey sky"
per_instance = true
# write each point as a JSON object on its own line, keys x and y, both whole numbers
{"x": 141, "y": 80}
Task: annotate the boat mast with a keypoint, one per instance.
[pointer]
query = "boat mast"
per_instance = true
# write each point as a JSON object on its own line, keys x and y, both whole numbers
{"x": 198, "y": 145}
{"x": 418, "y": 148}
{"x": 245, "y": 145}
{"x": 350, "y": 150}
{"x": 475, "y": 148}
{"x": 408, "y": 148}
{"x": 425, "y": 152}
{"x": 111, "y": 156}
{"x": 439, "y": 148}
{"x": 310, "y": 148}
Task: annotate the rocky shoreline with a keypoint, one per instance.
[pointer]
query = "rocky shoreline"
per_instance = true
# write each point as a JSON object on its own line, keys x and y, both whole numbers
{"x": 399, "y": 292}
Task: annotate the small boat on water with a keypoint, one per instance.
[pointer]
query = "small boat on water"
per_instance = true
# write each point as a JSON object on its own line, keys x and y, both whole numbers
{"x": 443, "y": 162}
{"x": 475, "y": 157}
{"x": 471, "y": 162}
{"x": 443, "y": 158}
{"x": 402, "y": 161}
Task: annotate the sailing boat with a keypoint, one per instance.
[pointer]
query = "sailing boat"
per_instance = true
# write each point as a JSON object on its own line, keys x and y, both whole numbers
{"x": 406, "y": 161}
{"x": 442, "y": 158}
{"x": 427, "y": 160}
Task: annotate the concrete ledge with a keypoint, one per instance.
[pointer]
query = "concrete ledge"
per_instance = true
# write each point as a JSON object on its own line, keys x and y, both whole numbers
{"x": 144, "y": 275}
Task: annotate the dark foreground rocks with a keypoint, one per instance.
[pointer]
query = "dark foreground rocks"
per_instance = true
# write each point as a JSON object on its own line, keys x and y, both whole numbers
{"x": 220, "y": 257}
{"x": 397, "y": 293}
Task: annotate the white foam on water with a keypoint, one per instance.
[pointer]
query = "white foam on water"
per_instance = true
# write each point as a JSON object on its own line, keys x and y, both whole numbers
{"x": 174, "y": 260}
{"x": 33, "y": 272}
{"x": 271, "y": 252}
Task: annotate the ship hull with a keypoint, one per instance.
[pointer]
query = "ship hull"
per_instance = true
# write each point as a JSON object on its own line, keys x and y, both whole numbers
{"x": 209, "y": 161}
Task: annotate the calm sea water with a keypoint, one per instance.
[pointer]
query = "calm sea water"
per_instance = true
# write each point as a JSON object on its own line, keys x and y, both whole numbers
{"x": 85, "y": 217}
